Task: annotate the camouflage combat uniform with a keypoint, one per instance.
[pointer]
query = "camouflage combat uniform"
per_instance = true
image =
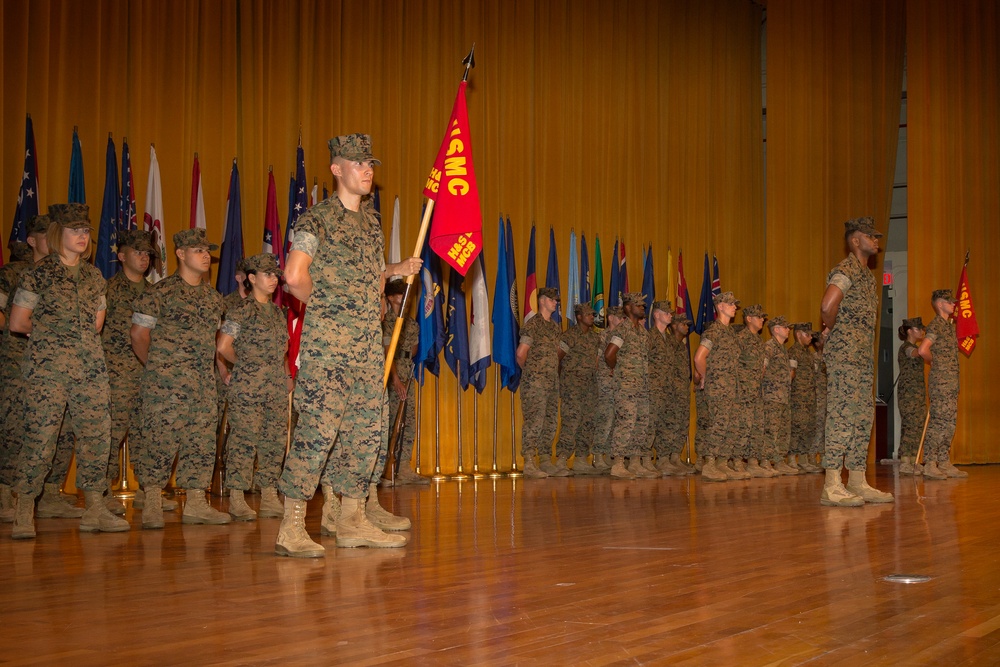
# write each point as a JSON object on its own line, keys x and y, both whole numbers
{"x": 178, "y": 396}
{"x": 124, "y": 368}
{"x": 819, "y": 430}
{"x": 750, "y": 375}
{"x": 604, "y": 412}
{"x": 576, "y": 386}
{"x": 661, "y": 366}
{"x": 678, "y": 411}
{"x": 721, "y": 393}
{"x": 339, "y": 393}
{"x": 775, "y": 391}
{"x": 942, "y": 389}
{"x": 64, "y": 372}
{"x": 911, "y": 397}
{"x": 631, "y": 391}
{"x": 540, "y": 386}
{"x": 257, "y": 394}
{"x": 12, "y": 348}
{"x": 230, "y": 301}
{"x": 803, "y": 399}
{"x": 850, "y": 367}
{"x": 408, "y": 338}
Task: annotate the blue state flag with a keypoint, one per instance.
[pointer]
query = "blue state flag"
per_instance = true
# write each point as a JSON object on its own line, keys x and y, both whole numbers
{"x": 456, "y": 348}
{"x": 552, "y": 272}
{"x": 648, "y": 285}
{"x": 106, "y": 259}
{"x": 706, "y": 307}
{"x": 27, "y": 193}
{"x": 127, "y": 209}
{"x": 430, "y": 316}
{"x": 298, "y": 198}
{"x": 615, "y": 286}
{"x": 232, "y": 238}
{"x": 504, "y": 315}
{"x": 515, "y": 306}
{"x": 584, "y": 271}
{"x": 77, "y": 188}
{"x": 716, "y": 284}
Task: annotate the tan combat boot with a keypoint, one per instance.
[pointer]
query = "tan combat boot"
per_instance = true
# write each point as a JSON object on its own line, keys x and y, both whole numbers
{"x": 293, "y": 540}
{"x": 197, "y": 510}
{"x": 619, "y": 470}
{"x": 24, "y": 518}
{"x": 835, "y": 495}
{"x": 668, "y": 469}
{"x": 601, "y": 464}
{"x": 756, "y": 471}
{"x": 931, "y": 471}
{"x": 152, "y": 510}
{"x": 331, "y": 512}
{"x": 766, "y": 465}
{"x": 905, "y": 465}
{"x": 271, "y": 506}
{"x": 166, "y": 504}
{"x": 640, "y": 471}
{"x": 710, "y": 472}
{"x": 53, "y": 506}
{"x": 98, "y": 518}
{"x": 581, "y": 467}
{"x": 739, "y": 469}
{"x": 380, "y": 517}
{"x": 951, "y": 471}
{"x": 722, "y": 465}
{"x": 407, "y": 476}
{"x": 561, "y": 468}
{"x": 687, "y": 468}
{"x": 786, "y": 469}
{"x": 238, "y": 508}
{"x": 114, "y": 505}
{"x": 531, "y": 470}
{"x": 355, "y": 530}
{"x": 858, "y": 485}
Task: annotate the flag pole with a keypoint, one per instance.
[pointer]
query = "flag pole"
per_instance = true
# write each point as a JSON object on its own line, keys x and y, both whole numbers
{"x": 476, "y": 472}
{"x": 494, "y": 471}
{"x": 460, "y": 475}
{"x": 419, "y": 406}
{"x": 469, "y": 63}
{"x": 437, "y": 477}
{"x": 514, "y": 472}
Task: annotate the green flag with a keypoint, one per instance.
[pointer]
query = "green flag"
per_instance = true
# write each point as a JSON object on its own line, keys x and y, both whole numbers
{"x": 597, "y": 286}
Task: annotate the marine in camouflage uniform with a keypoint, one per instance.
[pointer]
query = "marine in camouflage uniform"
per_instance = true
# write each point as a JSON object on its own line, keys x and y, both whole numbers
{"x": 628, "y": 354}
{"x": 62, "y": 299}
{"x": 229, "y": 302}
{"x": 337, "y": 266}
{"x": 661, "y": 367}
{"x": 911, "y": 394}
{"x": 819, "y": 370}
{"x": 803, "y": 398}
{"x": 749, "y": 376}
{"x": 718, "y": 356}
{"x": 604, "y": 411}
{"x": 255, "y": 335}
{"x": 678, "y": 411}
{"x": 176, "y": 320}
{"x": 406, "y": 346}
{"x": 124, "y": 369}
{"x": 539, "y": 348}
{"x": 942, "y": 387}
{"x": 577, "y": 375}
{"x": 850, "y": 311}
{"x": 775, "y": 391}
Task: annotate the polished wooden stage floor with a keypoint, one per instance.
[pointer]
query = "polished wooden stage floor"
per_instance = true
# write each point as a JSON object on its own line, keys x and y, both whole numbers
{"x": 584, "y": 571}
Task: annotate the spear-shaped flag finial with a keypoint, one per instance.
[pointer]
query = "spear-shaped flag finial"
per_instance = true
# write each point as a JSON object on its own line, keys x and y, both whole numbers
{"x": 469, "y": 62}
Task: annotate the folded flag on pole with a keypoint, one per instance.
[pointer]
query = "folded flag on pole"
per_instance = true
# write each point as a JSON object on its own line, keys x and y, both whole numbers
{"x": 272, "y": 231}
{"x": 395, "y": 253}
{"x": 430, "y": 316}
{"x": 106, "y": 259}
{"x": 597, "y": 299}
{"x": 505, "y": 327}
{"x": 530, "y": 281}
{"x": 552, "y": 272}
{"x": 706, "y": 307}
{"x": 573, "y": 277}
{"x": 456, "y": 232}
{"x": 683, "y": 304}
{"x": 77, "y": 188}
{"x": 153, "y": 219}
{"x": 623, "y": 274}
{"x": 648, "y": 285}
{"x": 584, "y": 271}
{"x": 967, "y": 328}
{"x": 298, "y": 202}
{"x": 127, "y": 216}
{"x": 671, "y": 279}
{"x": 27, "y": 193}
{"x": 232, "y": 237}
{"x": 716, "y": 283}
{"x": 456, "y": 349}
{"x": 615, "y": 287}
{"x": 198, "y": 220}
{"x": 479, "y": 326}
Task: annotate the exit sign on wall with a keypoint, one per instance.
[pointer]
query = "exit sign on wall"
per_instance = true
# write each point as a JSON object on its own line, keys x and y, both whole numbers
{"x": 887, "y": 274}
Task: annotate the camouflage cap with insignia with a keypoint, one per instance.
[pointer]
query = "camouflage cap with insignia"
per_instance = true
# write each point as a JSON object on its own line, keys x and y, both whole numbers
{"x": 582, "y": 309}
{"x": 913, "y": 323}
{"x": 778, "y": 321}
{"x": 70, "y": 216}
{"x": 549, "y": 292}
{"x": 663, "y": 306}
{"x": 681, "y": 318}
{"x": 726, "y": 297}
{"x": 354, "y": 147}
{"x": 21, "y": 252}
{"x": 944, "y": 295}
{"x": 192, "y": 238}
{"x": 634, "y": 298}
{"x": 241, "y": 266}
{"x": 395, "y": 287}
{"x": 263, "y": 262}
{"x": 617, "y": 311}
{"x": 756, "y": 310}
{"x": 39, "y": 224}
{"x": 137, "y": 239}
{"x": 805, "y": 327}
{"x": 865, "y": 225}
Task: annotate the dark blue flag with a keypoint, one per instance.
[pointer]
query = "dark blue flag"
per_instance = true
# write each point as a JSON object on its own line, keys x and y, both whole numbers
{"x": 584, "y": 271}
{"x": 298, "y": 197}
{"x": 706, "y": 307}
{"x": 615, "y": 286}
{"x": 515, "y": 305}
{"x": 126, "y": 211}
{"x": 505, "y": 316}
{"x": 77, "y": 188}
{"x": 716, "y": 284}
{"x": 232, "y": 241}
{"x": 106, "y": 259}
{"x": 456, "y": 349}
{"x": 648, "y": 286}
{"x": 552, "y": 272}
{"x": 27, "y": 193}
{"x": 430, "y": 316}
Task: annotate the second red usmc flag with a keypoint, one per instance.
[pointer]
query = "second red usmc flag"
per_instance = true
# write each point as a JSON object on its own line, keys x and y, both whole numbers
{"x": 456, "y": 232}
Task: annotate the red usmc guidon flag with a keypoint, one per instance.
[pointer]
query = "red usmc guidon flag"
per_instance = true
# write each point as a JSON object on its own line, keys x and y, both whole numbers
{"x": 967, "y": 329}
{"x": 456, "y": 232}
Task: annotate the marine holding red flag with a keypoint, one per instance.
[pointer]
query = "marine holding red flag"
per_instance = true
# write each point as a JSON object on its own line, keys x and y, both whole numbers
{"x": 456, "y": 232}
{"x": 967, "y": 329}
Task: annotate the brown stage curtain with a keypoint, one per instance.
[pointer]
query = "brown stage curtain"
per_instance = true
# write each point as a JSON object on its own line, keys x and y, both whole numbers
{"x": 639, "y": 120}
{"x": 953, "y": 107}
